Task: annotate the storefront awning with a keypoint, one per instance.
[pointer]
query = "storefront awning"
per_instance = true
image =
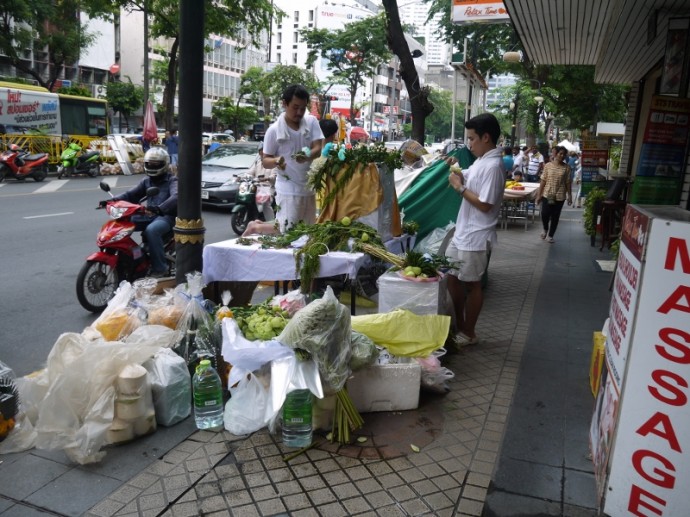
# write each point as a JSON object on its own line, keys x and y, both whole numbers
{"x": 624, "y": 39}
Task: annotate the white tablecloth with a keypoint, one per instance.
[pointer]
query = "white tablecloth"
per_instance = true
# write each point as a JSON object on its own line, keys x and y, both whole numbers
{"x": 228, "y": 261}
{"x": 529, "y": 193}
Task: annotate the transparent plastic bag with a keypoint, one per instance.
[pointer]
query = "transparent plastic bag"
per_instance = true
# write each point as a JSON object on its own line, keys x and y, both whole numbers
{"x": 196, "y": 321}
{"x": 435, "y": 376}
{"x": 364, "y": 351}
{"x": 171, "y": 387}
{"x": 322, "y": 329}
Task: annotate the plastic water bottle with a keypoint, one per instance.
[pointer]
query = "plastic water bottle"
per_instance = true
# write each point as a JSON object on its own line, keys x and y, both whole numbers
{"x": 208, "y": 397}
{"x": 297, "y": 431}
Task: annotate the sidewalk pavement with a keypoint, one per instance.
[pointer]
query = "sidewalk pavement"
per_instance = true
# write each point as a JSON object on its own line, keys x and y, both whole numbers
{"x": 514, "y": 439}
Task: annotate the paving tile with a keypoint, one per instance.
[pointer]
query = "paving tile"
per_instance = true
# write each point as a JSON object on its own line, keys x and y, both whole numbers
{"x": 415, "y": 507}
{"x": 345, "y": 490}
{"x": 248, "y": 510}
{"x": 288, "y": 488}
{"x": 333, "y": 510}
{"x": 238, "y": 498}
{"x": 356, "y": 505}
{"x": 27, "y": 475}
{"x": 402, "y": 493}
{"x": 296, "y": 502}
{"x": 271, "y": 507}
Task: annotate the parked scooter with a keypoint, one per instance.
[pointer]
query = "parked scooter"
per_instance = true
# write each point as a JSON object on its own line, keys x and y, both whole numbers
{"x": 253, "y": 196}
{"x": 119, "y": 257}
{"x": 74, "y": 161}
{"x": 19, "y": 164}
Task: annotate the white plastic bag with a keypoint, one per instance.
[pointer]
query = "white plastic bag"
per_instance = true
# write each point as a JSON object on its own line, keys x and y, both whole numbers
{"x": 245, "y": 411}
{"x": 171, "y": 386}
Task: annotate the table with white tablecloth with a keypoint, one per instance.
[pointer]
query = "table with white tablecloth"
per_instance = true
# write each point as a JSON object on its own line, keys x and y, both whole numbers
{"x": 519, "y": 205}
{"x": 229, "y": 261}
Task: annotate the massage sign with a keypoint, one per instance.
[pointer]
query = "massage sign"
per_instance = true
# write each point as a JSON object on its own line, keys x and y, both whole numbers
{"x": 648, "y": 363}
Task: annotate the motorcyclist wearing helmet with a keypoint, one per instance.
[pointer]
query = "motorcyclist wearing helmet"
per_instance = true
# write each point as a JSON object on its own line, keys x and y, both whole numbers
{"x": 161, "y": 209}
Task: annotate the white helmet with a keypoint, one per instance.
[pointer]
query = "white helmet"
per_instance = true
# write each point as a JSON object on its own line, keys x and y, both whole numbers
{"x": 156, "y": 162}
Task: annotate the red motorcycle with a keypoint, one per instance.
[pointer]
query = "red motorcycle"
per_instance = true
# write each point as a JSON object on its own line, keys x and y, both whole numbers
{"x": 120, "y": 256}
{"x": 19, "y": 164}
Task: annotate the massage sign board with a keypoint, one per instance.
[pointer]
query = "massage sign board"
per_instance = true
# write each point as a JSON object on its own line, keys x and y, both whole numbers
{"x": 639, "y": 434}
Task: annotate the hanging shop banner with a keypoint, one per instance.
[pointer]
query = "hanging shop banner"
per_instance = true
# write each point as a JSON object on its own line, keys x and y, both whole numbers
{"x": 479, "y": 11}
{"x": 660, "y": 168}
{"x": 625, "y": 292}
{"x": 650, "y": 462}
{"x": 314, "y": 105}
{"x": 595, "y": 155}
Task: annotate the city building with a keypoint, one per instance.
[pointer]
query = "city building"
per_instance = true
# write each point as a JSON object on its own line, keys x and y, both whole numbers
{"x": 415, "y": 14}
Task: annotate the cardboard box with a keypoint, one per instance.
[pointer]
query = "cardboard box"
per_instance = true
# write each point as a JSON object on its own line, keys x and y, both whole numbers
{"x": 421, "y": 298}
{"x": 386, "y": 387}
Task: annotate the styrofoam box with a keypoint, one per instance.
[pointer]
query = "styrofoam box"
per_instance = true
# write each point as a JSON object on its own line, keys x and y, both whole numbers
{"x": 386, "y": 387}
{"x": 421, "y": 298}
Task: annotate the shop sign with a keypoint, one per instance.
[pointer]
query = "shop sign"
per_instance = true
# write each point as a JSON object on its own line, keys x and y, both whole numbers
{"x": 479, "y": 11}
{"x": 650, "y": 465}
{"x": 660, "y": 167}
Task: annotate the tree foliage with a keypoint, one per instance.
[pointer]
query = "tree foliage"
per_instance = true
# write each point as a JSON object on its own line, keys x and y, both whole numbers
{"x": 52, "y": 26}
{"x": 232, "y": 115}
{"x": 352, "y": 53}
{"x": 418, "y": 94}
{"x": 439, "y": 122}
{"x": 125, "y": 98}
{"x": 241, "y": 20}
{"x": 282, "y": 76}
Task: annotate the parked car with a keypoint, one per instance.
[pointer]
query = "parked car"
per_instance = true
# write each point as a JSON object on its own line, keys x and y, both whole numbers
{"x": 223, "y": 138}
{"x": 220, "y": 168}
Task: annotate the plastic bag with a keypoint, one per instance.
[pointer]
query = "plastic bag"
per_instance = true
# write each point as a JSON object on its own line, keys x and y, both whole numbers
{"x": 435, "y": 376}
{"x": 286, "y": 373}
{"x": 404, "y": 333}
{"x": 196, "y": 321}
{"x": 322, "y": 329}
{"x": 78, "y": 408}
{"x": 245, "y": 412}
{"x": 119, "y": 319}
{"x": 290, "y": 302}
{"x": 364, "y": 351}
{"x": 171, "y": 387}
{"x": 432, "y": 242}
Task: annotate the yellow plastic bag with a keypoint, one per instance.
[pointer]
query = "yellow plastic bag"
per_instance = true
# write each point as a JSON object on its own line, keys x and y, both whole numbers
{"x": 404, "y": 333}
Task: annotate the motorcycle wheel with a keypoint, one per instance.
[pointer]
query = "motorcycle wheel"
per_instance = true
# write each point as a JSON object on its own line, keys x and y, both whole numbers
{"x": 40, "y": 174}
{"x": 3, "y": 172}
{"x": 239, "y": 220}
{"x": 60, "y": 171}
{"x": 96, "y": 285}
{"x": 94, "y": 171}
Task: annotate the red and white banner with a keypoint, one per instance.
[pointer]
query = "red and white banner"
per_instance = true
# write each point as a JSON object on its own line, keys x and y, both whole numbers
{"x": 650, "y": 464}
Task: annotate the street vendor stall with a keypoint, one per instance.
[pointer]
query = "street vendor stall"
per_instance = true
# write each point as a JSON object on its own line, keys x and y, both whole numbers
{"x": 519, "y": 203}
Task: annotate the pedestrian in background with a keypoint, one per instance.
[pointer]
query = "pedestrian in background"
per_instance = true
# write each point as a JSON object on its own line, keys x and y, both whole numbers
{"x": 481, "y": 188}
{"x": 508, "y": 162}
{"x": 535, "y": 164}
{"x": 554, "y": 188}
{"x": 172, "y": 143}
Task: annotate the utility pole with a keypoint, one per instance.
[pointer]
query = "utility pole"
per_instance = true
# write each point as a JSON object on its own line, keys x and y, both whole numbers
{"x": 189, "y": 226}
{"x": 146, "y": 52}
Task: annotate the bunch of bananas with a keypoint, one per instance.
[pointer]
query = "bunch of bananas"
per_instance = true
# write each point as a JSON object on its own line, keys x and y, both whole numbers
{"x": 514, "y": 185}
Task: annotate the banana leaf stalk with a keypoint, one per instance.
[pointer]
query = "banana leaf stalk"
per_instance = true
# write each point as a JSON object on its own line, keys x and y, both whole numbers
{"x": 346, "y": 418}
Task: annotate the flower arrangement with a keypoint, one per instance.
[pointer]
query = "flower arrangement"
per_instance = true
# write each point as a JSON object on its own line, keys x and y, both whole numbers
{"x": 342, "y": 163}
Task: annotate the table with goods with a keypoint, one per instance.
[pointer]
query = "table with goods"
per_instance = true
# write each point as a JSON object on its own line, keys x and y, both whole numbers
{"x": 519, "y": 202}
{"x": 298, "y": 363}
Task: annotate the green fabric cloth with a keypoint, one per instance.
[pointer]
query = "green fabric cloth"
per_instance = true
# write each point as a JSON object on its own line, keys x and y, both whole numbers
{"x": 430, "y": 201}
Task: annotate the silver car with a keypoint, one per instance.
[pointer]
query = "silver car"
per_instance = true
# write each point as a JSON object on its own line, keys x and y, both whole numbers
{"x": 220, "y": 168}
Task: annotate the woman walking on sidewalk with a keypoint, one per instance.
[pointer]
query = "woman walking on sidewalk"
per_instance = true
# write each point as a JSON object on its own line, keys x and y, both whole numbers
{"x": 554, "y": 187}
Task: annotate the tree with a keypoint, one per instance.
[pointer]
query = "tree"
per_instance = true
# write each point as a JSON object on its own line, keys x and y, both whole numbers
{"x": 125, "y": 98}
{"x": 352, "y": 53}
{"x": 419, "y": 95}
{"x": 281, "y": 77}
{"x": 53, "y": 26}
{"x": 439, "y": 121}
{"x": 230, "y": 114}
{"x": 245, "y": 20}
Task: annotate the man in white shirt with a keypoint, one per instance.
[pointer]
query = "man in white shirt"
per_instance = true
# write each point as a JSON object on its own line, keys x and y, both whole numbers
{"x": 535, "y": 164}
{"x": 481, "y": 187}
{"x": 518, "y": 161}
{"x": 284, "y": 143}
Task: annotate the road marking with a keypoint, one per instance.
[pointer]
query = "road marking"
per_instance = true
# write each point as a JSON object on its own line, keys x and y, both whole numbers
{"x": 48, "y": 215}
{"x": 51, "y": 186}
